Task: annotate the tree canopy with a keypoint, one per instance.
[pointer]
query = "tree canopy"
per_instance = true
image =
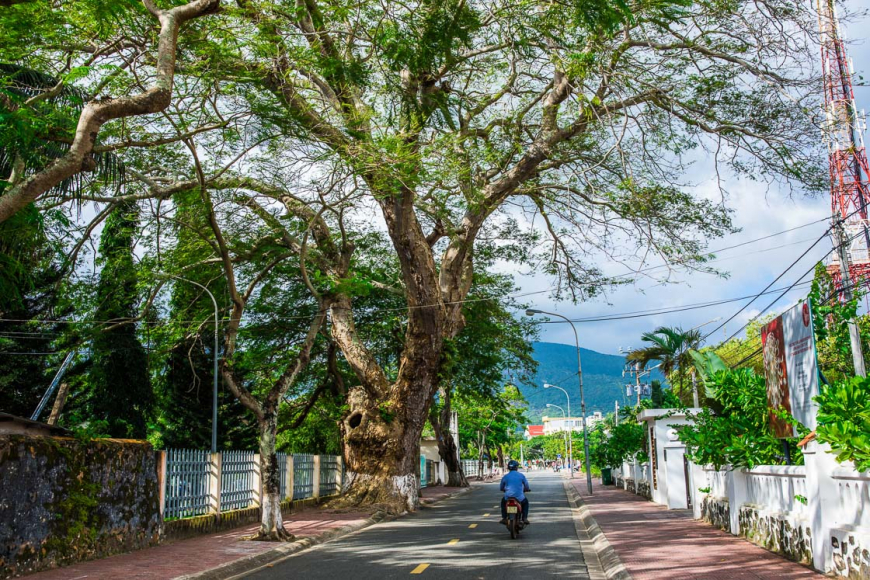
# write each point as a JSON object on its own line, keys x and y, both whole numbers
{"x": 344, "y": 174}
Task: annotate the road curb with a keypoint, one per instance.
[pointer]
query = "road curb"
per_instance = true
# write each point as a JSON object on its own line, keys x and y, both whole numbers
{"x": 602, "y": 561}
{"x": 249, "y": 564}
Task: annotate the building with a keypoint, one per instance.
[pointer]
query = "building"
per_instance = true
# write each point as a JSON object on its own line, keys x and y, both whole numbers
{"x": 533, "y": 431}
{"x": 594, "y": 418}
{"x": 562, "y": 424}
{"x": 12, "y": 425}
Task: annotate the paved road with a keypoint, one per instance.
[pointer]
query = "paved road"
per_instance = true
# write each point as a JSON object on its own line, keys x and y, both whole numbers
{"x": 440, "y": 543}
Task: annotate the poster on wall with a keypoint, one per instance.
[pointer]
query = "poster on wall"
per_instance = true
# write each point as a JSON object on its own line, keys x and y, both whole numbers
{"x": 790, "y": 368}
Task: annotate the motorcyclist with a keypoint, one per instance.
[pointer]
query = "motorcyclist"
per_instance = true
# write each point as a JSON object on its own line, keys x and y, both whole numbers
{"x": 514, "y": 484}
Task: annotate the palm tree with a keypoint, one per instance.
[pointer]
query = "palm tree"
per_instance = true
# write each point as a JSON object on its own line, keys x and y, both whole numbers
{"x": 669, "y": 346}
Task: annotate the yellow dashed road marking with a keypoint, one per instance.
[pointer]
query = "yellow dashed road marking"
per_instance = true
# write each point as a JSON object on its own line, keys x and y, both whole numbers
{"x": 451, "y": 542}
{"x": 472, "y": 526}
{"x": 419, "y": 569}
{"x": 485, "y": 515}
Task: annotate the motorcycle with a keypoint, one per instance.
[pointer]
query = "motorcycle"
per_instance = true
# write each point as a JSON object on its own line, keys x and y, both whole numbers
{"x": 514, "y": 516}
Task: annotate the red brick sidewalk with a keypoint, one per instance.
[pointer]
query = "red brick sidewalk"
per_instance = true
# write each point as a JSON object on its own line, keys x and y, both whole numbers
{"x": 198, "y": 554}
{"x": 655, "y": 543}
{"x": 205, "y": 552}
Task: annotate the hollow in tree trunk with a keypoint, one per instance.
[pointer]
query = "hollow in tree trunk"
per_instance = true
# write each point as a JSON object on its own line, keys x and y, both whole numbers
{"x": 381, "y": 443}
{"x": 271, "y": 522}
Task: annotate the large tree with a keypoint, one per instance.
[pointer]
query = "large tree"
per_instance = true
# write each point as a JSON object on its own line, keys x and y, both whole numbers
{"x": 451, "y": 124}
{"x": 453, "y": 118}
{"x": 119, "y": 383}
{"x": 77, "y": 39}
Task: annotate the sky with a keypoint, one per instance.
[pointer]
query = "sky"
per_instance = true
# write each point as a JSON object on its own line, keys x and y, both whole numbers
{"x": 759, "y": 213}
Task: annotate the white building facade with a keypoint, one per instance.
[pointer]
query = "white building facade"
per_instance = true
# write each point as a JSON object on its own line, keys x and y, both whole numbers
{"x": 562, "y": 424}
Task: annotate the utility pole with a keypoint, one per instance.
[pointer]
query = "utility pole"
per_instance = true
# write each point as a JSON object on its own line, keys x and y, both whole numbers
{"x": 637, "y": 381}
{"x": 854, "y": 334}
{"x": 616, "y": 413}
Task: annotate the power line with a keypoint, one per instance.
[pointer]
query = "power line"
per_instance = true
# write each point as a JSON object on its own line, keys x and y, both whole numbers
{"x": 813, "y": 267}
{"x": 659, "y": 311}
{"x": 766, "y": 288}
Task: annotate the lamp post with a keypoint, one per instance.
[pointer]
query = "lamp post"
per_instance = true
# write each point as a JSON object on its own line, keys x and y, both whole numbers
{"x": 214, "y": 395}
{"x": 567, "y": 453}
{"x": 570, "y": 438}
{"x": 532, "y": 312}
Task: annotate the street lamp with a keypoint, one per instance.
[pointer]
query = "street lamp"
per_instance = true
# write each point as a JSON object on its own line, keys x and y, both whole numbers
{"x": 532, "y": 312}
{"x": 570, "y": 438}
{"x": 214, "y": 395}
{"x": 567, "y": 454}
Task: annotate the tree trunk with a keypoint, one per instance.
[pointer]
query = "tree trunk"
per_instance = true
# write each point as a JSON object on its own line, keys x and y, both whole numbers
{"x": 447, "y": 445}
{"x": 271, "y": 522}
{"x": 381, "y": 444}
{"x": 382, "y": 427}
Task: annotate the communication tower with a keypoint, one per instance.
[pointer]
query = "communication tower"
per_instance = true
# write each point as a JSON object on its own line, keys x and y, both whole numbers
{"x": 847, "y": 157}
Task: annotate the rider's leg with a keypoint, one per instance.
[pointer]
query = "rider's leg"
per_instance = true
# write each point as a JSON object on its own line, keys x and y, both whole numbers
{"x": 503, "y": 510}
{"x": 525, "y": 504}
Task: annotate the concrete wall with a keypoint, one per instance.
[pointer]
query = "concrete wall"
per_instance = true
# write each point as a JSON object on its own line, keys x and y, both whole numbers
{"x": 63, "y": 500}
{"x": 817, "y": 514}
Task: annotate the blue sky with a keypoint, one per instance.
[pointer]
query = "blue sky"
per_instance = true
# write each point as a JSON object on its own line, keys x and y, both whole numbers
{"x": 751, "y": 267}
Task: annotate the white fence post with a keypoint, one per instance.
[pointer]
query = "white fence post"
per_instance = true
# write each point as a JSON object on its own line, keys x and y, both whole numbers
{"x": 160, "y": 457}
{"x": 214, "y": 483}
{"x": 823, "y": 502}
{"x": 735, "y": 485}
{"x": 316, "y": 478}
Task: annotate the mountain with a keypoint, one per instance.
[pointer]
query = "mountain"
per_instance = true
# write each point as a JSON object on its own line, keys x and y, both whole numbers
{"x": 603, "y": 383}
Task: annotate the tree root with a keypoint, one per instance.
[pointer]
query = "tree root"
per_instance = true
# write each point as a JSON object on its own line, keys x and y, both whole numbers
{"x": 276, "y": 535}
{"x": 371, "y": 495}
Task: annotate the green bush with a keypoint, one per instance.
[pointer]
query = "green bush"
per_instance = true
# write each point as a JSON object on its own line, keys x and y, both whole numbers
{"x": 844, "y": 420}
{"x": 624, "y": 441}
{"x": 738, "y": 433}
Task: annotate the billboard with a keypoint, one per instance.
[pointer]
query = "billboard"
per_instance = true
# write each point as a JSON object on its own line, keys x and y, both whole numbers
{"x": 790, "y": 368}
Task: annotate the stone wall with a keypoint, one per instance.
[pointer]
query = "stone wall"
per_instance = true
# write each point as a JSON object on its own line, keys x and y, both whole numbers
{"x": 851, "y": 554}
{"x": 63, "y": 500}
{"x": 629, "y": 485}
{"x": 776, "y": 533}
{"x": 643, "y": 489}
{"x": 717, "y": 512}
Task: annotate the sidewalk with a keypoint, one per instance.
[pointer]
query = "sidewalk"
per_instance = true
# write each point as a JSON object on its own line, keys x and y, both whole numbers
{"x": 655, "y": 543}
{"x": 203, "y": 553}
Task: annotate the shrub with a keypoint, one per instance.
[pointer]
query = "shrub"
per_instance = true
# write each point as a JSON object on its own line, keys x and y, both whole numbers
{"x": 844, "y": 420}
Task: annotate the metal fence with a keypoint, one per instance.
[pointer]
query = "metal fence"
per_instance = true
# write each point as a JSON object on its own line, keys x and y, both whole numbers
{"x": 470, "y": 468}
{"x": 303, "y": 476}
{"x": 188, "y": 480}
{"x": 186, "y": 483}
{"x": 282, "y": 474}
{"x": 239, "y": 487}
{"x": 329, "y": 474}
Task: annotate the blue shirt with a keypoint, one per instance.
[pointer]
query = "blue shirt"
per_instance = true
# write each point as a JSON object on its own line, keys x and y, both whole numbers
{"x": 513, "y": 484}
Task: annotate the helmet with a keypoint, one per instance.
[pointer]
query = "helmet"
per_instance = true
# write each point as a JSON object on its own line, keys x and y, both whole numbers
{"x": 513, "y": 465}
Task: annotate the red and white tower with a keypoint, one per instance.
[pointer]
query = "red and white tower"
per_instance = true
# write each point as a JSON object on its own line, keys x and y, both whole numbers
{"x": 850, "y": 194}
